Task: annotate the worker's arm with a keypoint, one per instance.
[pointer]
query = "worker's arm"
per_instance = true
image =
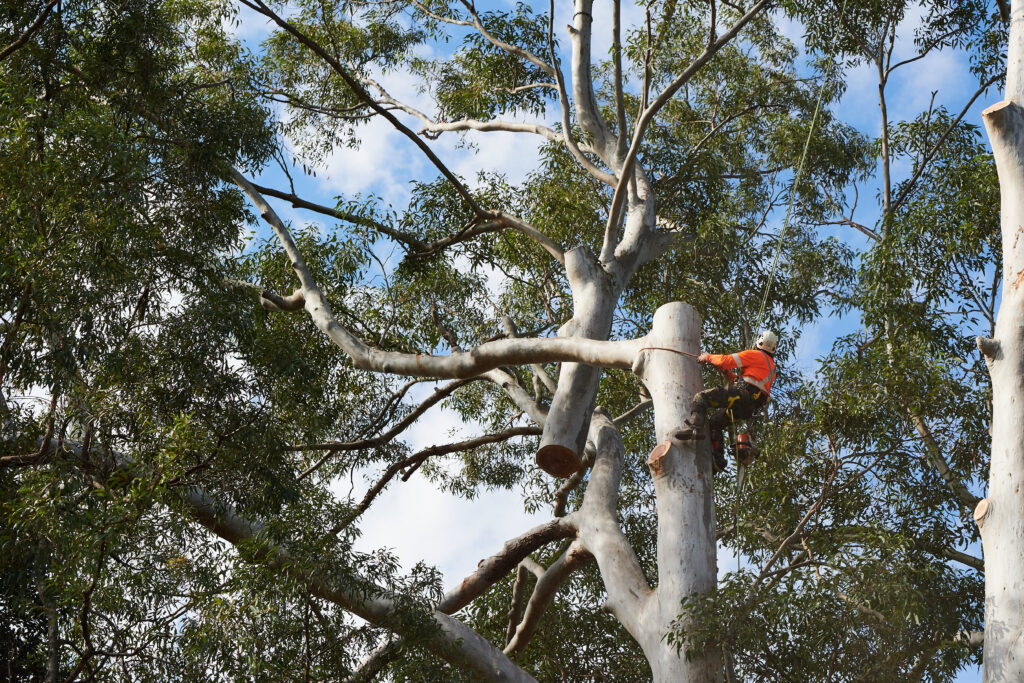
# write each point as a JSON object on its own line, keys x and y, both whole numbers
{"x": 723, "y": 361}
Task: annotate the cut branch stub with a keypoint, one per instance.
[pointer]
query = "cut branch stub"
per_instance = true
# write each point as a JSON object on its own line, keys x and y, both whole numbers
{"x": 980, "y": 511}
{"x": 558, "y": 461}
{"x": 656, "y": 456}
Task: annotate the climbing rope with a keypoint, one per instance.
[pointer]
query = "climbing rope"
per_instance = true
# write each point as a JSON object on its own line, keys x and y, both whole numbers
{"x": 792, "y": 195}
{"x": 663, "y": 348}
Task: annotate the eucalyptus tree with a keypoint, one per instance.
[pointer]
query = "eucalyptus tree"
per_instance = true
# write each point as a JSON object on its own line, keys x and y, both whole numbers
{"x": 999, "y": 516}
{"x": 895, "y": 420}
{"x": 169, "y": 397}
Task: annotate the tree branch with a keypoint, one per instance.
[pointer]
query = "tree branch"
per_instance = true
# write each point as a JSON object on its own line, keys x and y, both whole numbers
{"x": 360, "y": 92}
{"x": 32, "y": 28}
{"x": 930, "y": 154}
{"x": 453, "y": 641}
{"x": 489, "y": 572}
{"x": 515, "y": 610}
{"x": 967, "y": 499}
{"x": 544, "y": 593}
{"x": 413, "y": 462}
{"x": 487, "y": 356}
{"x": 439, "y": 394}
{"x": 563, "y": 101}
{"x": 494, "y": 40}
{"x": 599, "y": 530}
{"x": 496, "y": 567}
{"x": 971, "y": 639}
{"x": 300, "y": 203}
{"x": 645, "y": 119}
{"x": 588, "y": 113}
{"x": 963, "y": 558}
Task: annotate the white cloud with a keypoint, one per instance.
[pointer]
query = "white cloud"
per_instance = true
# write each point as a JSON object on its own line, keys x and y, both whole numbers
{"x": 421, "y": 523}
{"x": 383, "y": 164}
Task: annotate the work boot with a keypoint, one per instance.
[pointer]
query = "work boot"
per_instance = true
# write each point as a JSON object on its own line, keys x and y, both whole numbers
{"x": 694, "y": 430}
{"x": 718, "y": 461}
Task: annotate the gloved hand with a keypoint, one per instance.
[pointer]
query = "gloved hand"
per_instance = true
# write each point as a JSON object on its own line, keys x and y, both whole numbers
{"x": 704, "y": 358}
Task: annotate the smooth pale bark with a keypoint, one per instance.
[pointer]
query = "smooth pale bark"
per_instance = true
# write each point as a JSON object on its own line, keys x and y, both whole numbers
{"x": 600, "y": 534}
{"x": 454, "y": 641}
{"x": 685, "y": 504}
{"x": 683, "y": 486}
{"x": 1000, "y": 518}
{"x": 594, "y": 294}
{"x": 595, "y": 297}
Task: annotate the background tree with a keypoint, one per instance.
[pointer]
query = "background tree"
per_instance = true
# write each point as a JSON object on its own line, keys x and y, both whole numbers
{"x": 163, "y": 388}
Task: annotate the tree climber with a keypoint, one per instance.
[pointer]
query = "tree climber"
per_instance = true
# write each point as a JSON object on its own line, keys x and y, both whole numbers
{"x": 751, "y": 374}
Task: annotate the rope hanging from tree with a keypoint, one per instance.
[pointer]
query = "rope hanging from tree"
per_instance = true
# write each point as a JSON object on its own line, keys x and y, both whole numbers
{"x": 792, "y": 195}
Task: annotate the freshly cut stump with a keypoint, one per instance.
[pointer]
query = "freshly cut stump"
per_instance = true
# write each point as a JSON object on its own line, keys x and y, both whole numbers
{"x": 558, "y": 461}
{"x": 656, "y": 456}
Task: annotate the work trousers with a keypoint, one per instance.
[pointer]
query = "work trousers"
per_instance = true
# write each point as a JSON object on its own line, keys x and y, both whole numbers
{"x": 743, "y": 399}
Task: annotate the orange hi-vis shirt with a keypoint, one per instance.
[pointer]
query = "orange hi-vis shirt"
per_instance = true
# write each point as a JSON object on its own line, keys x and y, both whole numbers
{"x": 752, "y": 366}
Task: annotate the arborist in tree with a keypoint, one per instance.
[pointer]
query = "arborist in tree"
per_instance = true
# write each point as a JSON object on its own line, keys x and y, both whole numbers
{"x": 750, "y": 374}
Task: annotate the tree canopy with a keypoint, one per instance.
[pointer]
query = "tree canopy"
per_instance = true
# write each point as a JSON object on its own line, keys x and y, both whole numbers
{"x": 200, "y": 399}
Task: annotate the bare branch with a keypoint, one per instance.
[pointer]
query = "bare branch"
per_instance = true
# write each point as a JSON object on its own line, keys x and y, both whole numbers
{"x": 489, "y": 572}
{"x": 544, "y": 593}
{"x": 348, "y": 217}
{"x": 632, "y": 413}
{"x": 538, "y": 370}
{"x": 599, "y": 530}
{"x": 963, "y": 558}
{"x": 413, "y": 462}
{"x": 496, "y": 567}
{"x": 908, "y": 187}
{"x": 794, "y": 536}
{"x": 439, "y": 394}
{"x": 485, "y": 357}
{"x": 515, "y": 611}
{"x": 561, "y": 498}
{"x": 588, "y": 113}
{"x": 563, "y": 101}
{"x": 923, "y": 53}
{"x": 967, "y": 499}
{"x": 519, "y": 396}
{"x": 620, "y": 103}
{"x": 376, "y": 662}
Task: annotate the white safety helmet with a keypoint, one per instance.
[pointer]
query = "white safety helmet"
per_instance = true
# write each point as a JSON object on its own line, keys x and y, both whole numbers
{"x": 767, "y": 341}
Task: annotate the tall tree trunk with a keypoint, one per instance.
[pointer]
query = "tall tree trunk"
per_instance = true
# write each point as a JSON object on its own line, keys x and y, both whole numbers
{"x": 1000, "y": 517}
{"x": 685, "y": 497}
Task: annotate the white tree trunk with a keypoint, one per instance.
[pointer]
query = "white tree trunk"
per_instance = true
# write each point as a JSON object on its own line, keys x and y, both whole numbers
{"x": 1001, "y": 517}
{"x": 594, "y": 296}
{"x": 685, "y": 497}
